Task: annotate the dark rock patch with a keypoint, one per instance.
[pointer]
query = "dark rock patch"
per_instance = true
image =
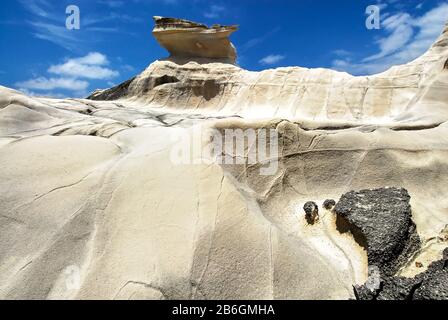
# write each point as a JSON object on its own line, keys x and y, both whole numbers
{"x": 329, "y": 204}
{"x": 344, "y": 226}
{"x": 431, "y": 284}
{"x": 114, "y": 93}
{"x": 311, "y": 212}
{"x": 381, "y": 221}
{"x": 165, "y": 79}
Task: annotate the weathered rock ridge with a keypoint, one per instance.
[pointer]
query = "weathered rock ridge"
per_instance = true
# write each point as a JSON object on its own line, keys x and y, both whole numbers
{"x": 412, "y": 93}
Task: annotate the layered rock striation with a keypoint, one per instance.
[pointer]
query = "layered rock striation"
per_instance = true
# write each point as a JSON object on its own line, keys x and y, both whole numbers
{"x": 412, "y": 93}
{"x": 186, "y": 39}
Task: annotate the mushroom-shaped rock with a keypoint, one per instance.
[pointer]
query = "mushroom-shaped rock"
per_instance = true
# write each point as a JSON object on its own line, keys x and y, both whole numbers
{"x": 329, "y": 204}
{"x": 183, "y": 38}
{"x": 311, "y": 212}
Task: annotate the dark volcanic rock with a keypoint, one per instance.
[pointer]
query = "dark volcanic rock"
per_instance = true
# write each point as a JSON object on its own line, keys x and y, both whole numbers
{"x": 431, "y": 284}
{"x": 380, "y": 220}
{"x": 397, "y": 288}
{"x": 329, "y": 204}
{"x": 311, "y": 212}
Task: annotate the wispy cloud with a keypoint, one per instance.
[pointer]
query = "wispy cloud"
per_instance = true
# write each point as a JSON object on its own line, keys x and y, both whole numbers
{"x": 214, "y": 11}
{"x": 258, "y": 40}
{"x": 56, "y": 34}
{"x": 407, "y": 37}
{"x": 112, "y": 16}
{"x": 49, "y": 94}
{"x": 41, "y": 8}
{"x": 43, "y": 83}
{"x": 400, "y": 31}
{"x": 271, "y": 59}
{"x": 341, "y": 53}
{"x": 112, "y": 3}
{"x": 49, "y": 24}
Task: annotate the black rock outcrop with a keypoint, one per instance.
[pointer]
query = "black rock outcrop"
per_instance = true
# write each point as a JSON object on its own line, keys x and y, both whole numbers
{"x": 381, "y": 221}
{"x": 431, "y": 284}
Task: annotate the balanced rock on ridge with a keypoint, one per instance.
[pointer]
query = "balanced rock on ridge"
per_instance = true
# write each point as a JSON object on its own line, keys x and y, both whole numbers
{"x": 183, "y": 38}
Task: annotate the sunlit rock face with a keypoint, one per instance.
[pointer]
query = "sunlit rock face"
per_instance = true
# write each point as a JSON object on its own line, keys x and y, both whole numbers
{"x": 187, "y": 39}
{"x": 402, "y": 94}
{"x": 92, "y": 205}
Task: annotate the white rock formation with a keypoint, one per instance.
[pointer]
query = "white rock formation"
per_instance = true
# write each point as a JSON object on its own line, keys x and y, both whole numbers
{"x": 187, "y": 39}
{"x": 93, "y": 207}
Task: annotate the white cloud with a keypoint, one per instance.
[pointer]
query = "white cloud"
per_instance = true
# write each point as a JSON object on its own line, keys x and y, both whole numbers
{"x": 37, "y": 7}
{"x": 45, "y": 94}
{"x": 71, "y": 76}
{"x": 43, "y": 83}
{"x": 214, "y": 11}
{"x": 271, "y": 59}
{"x": 342, "y": 53}
{"x": 112, "y": 3}
{"x": 48, "y": 23}
{"x": 401, "y": 31}
{"x": 407, "y": 38}
{"x": 90, "y": 67}
{"x": 58, "y": 34}
{"x": 128, "y": 68}
{"x": 258, "y": 40}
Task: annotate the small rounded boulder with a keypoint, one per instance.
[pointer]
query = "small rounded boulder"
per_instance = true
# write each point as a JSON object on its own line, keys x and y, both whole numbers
{"x": 329, "y": 204}
{"x": 311, "y": 212}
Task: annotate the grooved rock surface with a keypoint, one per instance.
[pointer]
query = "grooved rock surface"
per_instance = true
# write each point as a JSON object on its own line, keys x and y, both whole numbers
{"x": 93, "y": 205}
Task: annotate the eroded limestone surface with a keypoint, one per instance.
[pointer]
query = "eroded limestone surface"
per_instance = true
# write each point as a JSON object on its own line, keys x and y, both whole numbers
{"x": 89, "y": 185}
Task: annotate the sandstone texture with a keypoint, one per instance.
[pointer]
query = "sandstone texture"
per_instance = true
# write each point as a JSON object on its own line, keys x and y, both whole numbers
{"x": 187, "y": 39}
{"x": 94, "y": 204}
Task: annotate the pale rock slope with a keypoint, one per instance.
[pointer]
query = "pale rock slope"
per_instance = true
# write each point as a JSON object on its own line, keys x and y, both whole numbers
{"x": 92, "y": 205}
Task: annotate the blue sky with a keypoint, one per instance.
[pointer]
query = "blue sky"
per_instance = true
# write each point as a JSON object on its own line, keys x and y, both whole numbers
{"x": 40, "y": 56}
